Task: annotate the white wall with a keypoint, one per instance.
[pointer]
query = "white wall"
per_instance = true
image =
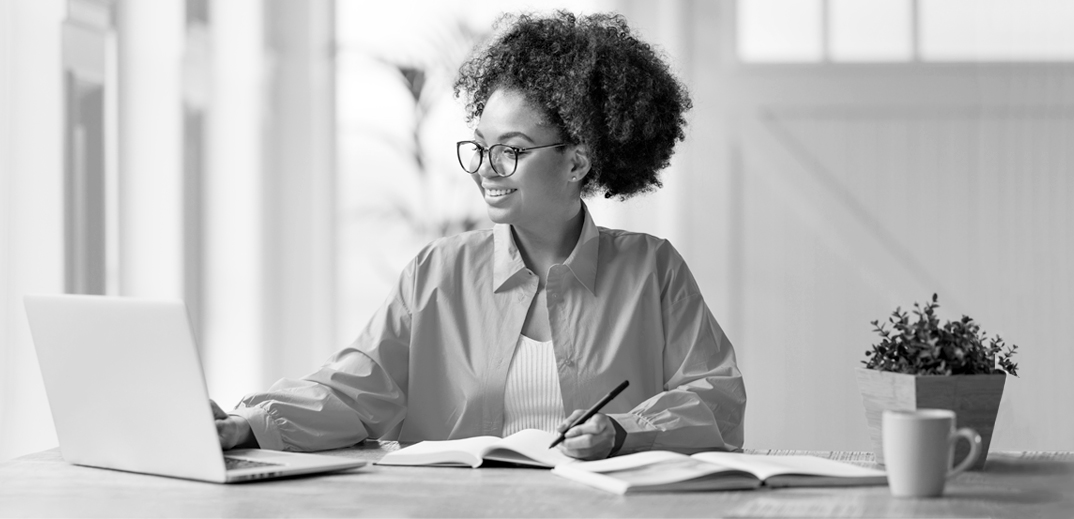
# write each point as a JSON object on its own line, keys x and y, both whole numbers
{"x": 150, "y": 148}
{"x": 31, "y": 208}
{"x": 233, "y": 206}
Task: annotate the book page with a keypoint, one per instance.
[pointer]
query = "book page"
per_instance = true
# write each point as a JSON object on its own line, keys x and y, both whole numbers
{"x": 679, "y": 470}
{"x": 765, "y": 467}
{"x": 465, "y": 452}
{"x": 659, "y": 471}
{"x": 629, "y": 461}
{"x": 528, "y": 447}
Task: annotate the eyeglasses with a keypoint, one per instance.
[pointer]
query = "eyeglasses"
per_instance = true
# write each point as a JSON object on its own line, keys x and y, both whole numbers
{"x": 503, "y": 158}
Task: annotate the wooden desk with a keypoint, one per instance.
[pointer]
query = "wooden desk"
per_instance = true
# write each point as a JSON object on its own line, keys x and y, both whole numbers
{"x": 1020, "y": 485}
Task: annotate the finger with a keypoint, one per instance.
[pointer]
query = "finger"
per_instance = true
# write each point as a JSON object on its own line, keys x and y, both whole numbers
{"x": 586, "y": 437}
{"x": 569, "y": 420}
{"x": 593, "y": 426}
{"x": 589, "y": 452}
{"x": 218, "y": 413}
{"x": 588, "y": 446}
{"x": 580, "y": 443}
{"x": 223, "y": 431}
{"x": 594, "y": 431}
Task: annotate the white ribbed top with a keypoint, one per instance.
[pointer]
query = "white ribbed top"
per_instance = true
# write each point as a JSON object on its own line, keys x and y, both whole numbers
{"x": 532, "y": 399}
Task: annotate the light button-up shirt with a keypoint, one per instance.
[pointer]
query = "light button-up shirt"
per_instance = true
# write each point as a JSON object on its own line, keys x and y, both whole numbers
{"x": 432, "y": 363}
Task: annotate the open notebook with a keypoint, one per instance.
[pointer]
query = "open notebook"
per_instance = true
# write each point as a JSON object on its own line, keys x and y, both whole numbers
{"x": 526, "y": 447}
{"x": 662, "y": 471}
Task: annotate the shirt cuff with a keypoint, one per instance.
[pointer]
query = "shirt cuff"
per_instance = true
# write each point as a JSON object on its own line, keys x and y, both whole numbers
{"x": 620, "y": 437}
{"x": 640, "y": 434}
{"x": 262, "y": 426}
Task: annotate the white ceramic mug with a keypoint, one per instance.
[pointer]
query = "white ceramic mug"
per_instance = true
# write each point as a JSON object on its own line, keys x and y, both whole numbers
{"x": 918, "y": 450}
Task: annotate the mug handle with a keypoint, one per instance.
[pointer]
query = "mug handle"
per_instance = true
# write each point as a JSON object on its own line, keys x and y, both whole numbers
{"x": 975, "y": 448}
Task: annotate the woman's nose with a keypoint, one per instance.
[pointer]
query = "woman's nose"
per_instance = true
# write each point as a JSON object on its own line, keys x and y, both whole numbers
{"x": 485, "y": 169}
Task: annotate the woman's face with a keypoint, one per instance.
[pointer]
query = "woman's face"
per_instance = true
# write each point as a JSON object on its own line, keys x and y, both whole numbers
{"x": 541, "y": 189}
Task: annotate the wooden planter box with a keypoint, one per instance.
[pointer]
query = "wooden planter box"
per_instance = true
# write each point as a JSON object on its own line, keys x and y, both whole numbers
{"x": 974, "y": 399}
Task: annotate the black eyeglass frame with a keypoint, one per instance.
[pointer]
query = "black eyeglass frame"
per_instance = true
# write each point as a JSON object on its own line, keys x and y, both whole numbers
{"x": 488, "y": 151}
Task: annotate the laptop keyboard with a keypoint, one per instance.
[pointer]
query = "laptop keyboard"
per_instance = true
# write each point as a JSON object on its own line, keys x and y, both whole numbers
{"x": 239, "y": 463}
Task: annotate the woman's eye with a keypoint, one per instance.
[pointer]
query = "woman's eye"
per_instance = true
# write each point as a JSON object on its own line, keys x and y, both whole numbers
{"x": 511, "y": 153}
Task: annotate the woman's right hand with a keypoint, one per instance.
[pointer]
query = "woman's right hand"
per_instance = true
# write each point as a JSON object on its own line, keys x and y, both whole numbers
{"x": 234, "y": 431}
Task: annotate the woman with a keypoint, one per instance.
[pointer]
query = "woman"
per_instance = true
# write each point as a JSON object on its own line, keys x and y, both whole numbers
{"x": 492, "y": 331}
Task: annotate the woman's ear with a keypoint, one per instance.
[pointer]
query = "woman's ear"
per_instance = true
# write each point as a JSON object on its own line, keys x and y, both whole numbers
{"x": 579, "y": 162}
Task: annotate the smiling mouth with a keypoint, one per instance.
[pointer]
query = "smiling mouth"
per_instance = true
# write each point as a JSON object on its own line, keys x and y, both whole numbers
{"x": 499, "y": 192}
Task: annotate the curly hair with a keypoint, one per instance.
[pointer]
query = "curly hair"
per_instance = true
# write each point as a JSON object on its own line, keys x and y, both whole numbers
{"x": 595, "y": 81}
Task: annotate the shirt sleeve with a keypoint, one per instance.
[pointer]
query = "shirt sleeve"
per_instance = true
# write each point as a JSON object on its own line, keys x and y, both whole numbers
{"x": 704, "y": 399}
{"x": 358, "y": 393}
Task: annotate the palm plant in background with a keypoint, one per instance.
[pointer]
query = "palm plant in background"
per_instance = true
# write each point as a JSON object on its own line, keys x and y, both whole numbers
{"x": 450, "y": 219}
{"x": 402, "y": 186}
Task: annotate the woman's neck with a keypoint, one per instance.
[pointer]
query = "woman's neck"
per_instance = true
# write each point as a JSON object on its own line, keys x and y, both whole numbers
{"x": 545, "y": 245}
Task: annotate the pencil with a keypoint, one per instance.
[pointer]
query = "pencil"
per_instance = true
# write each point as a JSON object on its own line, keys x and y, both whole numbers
{"x": 591, "y": 411}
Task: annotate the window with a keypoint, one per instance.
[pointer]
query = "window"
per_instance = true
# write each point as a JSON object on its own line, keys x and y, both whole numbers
{"x": 845, "y": 31}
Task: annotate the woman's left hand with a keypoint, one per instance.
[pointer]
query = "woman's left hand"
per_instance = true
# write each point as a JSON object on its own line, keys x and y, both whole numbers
{"x": 592, "y": 440}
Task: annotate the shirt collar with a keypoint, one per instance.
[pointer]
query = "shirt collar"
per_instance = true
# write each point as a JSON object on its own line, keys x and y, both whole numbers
{"x": 507, "y": 261}
{"x": 582, "y": 260}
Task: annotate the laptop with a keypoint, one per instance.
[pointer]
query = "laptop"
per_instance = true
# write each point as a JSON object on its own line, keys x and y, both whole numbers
{"x": 125, "y": 385}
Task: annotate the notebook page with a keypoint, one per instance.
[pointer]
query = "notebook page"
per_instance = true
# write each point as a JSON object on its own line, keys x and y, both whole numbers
{"x": 466, "y": 451}
{"x": 630, "y": 461}
{"x": 765, "y": 467}
{"x": 530, "y": 443}
{"x": 673, "y": 471}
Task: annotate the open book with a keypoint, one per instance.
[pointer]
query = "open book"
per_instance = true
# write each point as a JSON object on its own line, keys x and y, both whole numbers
{"x": 527, "y": 447}
{"x": 661, "y": 471}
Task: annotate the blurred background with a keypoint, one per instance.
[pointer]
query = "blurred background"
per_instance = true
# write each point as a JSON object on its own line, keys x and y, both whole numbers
{"x": 275, "y": 163}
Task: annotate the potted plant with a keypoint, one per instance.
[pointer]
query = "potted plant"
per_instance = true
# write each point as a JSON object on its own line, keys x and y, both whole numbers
{"x": 922, "y": 364}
